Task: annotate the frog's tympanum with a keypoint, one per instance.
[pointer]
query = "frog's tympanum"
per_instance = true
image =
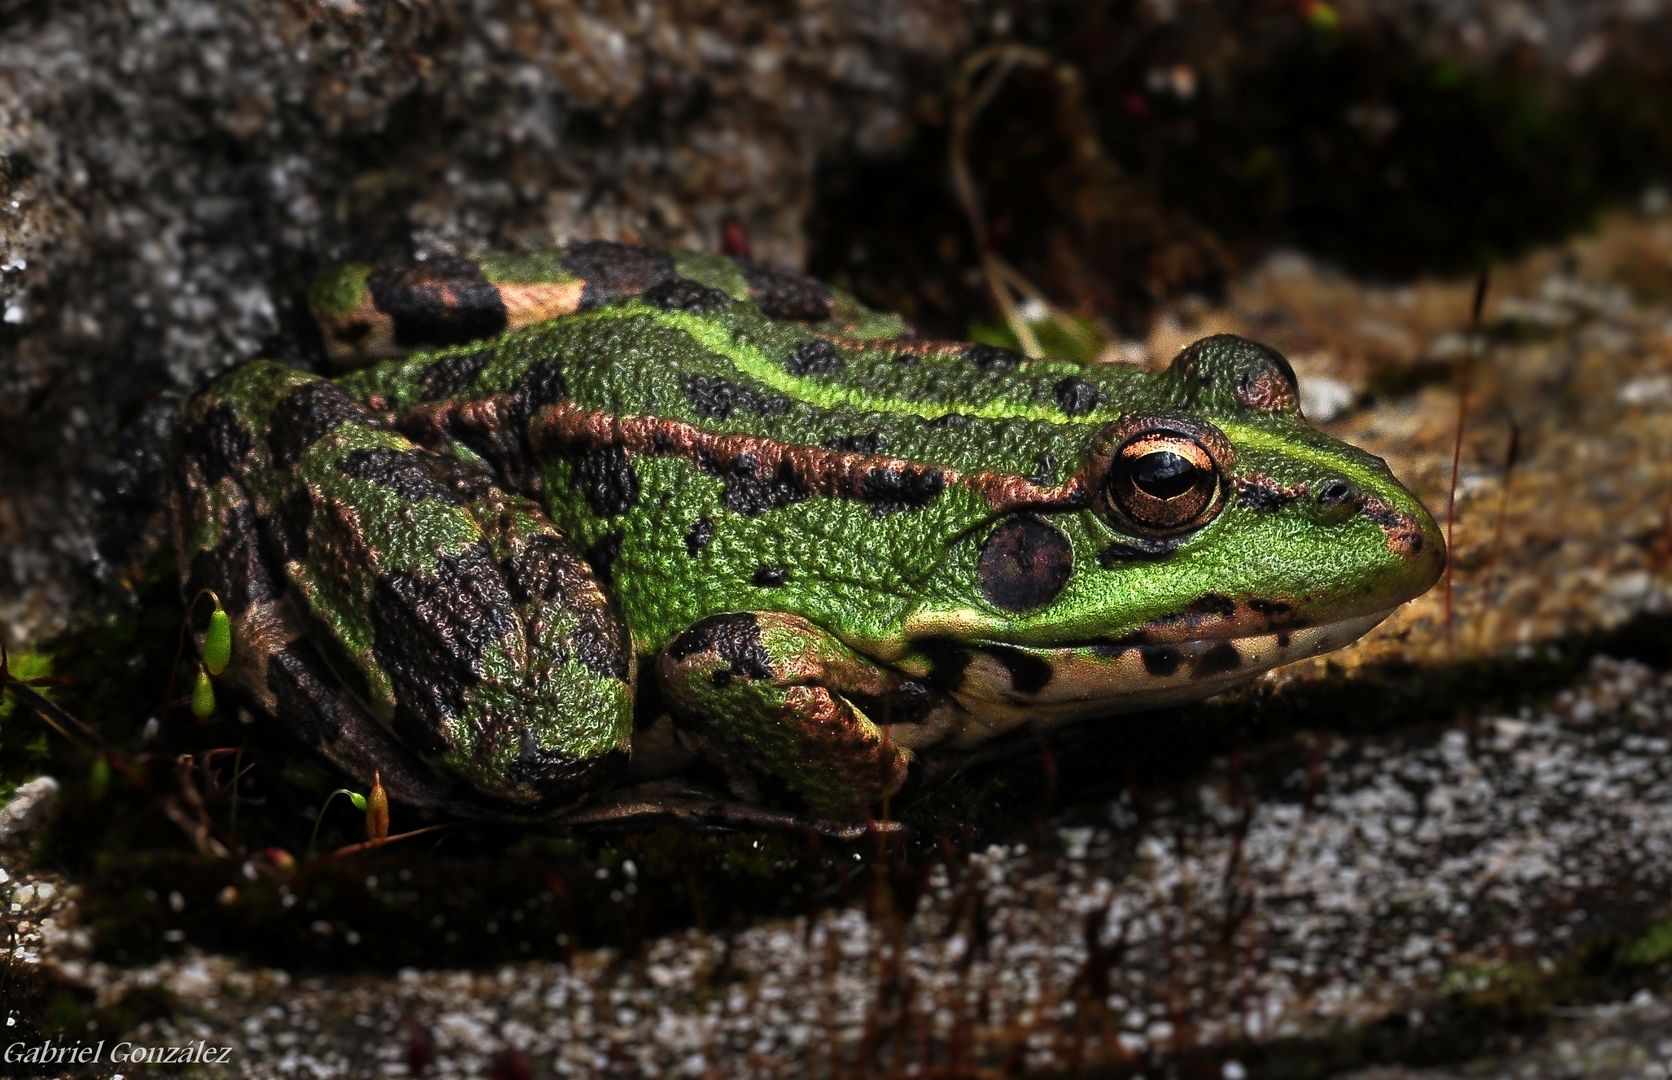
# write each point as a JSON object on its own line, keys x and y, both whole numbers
{"x": 605, "y": 515}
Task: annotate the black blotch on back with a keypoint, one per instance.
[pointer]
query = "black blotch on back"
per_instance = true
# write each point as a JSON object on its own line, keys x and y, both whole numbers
{"x": 1075, "y": 396}
{"x": 750, "y": 490}
{"x": 786, "y": 294}
{"x": 601, "y": 642}
{"x": 444, "y": 301}
{"x": 408, "y": 473}
{"x": 871, "y": 442}
{"x": 541, "y": 385}
{"x": 307, "y": 414}
{"x": 605, "y": 475}
{"x": 430, "y": 633}
{"x": 992, "y": 357}
{"x": 217, "y": 442}
{"x": 451, "y": 374}
{"x": 1024, "y": 563}
{"x": 235, "y": 569}
{"x": 683, "y": 294}
{"x": 602, "y": 553}
{"x": 290, "y": 538}
{"x": 953, "y": 420}
{"x": 611, "y": 270}
{"x": 769, "y": 577}
{"x": 698, "y": 536}
{"x": 545, "y": 568}
{"x": 1029, "y": 674}
{"x": 891, "y": 488}
{"x": 551, "y": 569}
{"x": 735, "y": 639}
{"x": 717, "y": 399}
{"x": 816, "y": 357}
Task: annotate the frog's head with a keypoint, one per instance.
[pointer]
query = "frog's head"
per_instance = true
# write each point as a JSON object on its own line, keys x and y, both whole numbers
{"x": 1208, "y": 535}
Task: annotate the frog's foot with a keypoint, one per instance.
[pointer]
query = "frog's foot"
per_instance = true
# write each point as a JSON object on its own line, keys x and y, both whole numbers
{"x": 785, "y": 708}
{"x": 392, "y": 603}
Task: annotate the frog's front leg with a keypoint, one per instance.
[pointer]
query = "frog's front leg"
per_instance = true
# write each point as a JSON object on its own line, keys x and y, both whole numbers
{"x": 396, "y": 605}
{"x": 782, "y": 705}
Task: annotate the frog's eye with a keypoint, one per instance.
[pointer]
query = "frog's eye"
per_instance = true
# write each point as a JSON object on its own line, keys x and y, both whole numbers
{"x": 1163, "y": 480}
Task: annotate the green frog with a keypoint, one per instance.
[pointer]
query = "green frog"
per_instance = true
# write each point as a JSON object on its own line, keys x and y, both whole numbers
{"x": 563, "y": 523}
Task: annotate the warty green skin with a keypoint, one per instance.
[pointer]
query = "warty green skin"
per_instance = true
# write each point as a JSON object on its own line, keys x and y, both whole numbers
{"x": 758, "y": 510}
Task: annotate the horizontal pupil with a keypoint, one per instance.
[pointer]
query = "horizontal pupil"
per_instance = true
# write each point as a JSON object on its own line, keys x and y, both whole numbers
{"x": 1163, "y": 475}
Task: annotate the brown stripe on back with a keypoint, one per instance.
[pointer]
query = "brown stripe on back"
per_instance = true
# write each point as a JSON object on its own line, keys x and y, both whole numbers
{"x": 849, "y": 474}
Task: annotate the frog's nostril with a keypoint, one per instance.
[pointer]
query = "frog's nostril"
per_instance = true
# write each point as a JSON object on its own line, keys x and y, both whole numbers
{"x": 1336, "y": 493}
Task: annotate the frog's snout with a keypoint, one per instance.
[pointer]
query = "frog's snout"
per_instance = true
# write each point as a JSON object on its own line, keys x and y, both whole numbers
{"x": 1416, "y": 548}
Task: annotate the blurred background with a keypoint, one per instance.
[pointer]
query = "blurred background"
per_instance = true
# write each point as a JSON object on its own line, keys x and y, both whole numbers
{"x": 1447, "y": 852}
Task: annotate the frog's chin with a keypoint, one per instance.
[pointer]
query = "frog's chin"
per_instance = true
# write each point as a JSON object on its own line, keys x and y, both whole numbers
{"x": 1005, "y": 686}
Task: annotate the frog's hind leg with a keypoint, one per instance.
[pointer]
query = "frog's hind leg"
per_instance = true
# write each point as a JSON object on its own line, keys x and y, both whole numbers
{"x": 391, "y": 598}
{"x": 783, "y": 707}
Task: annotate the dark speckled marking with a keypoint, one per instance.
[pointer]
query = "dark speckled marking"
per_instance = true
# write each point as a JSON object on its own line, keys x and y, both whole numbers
{"x": 816, "y": 357}
{"x": 234, "y": 568}
{"x": 871, "y": 442}
{"x": 717, "y": 399}
{"x": 953, "y": 420}
{"x": 1159, "y": 660}
{"x": 785, "y": 294}
{"x": 1075, "y": 396}
{"x": 217, "y": 442}
{"x": 307, "y": 414}
{"x": 1029, "y": 674}
{"x": 544, "y": 568}
{"x": 612, "y": 270}
{"x": 698, "y": 536}
{"x": 1137, "y": 549}
{"x": 450, "y": 375}
{"x": 735, "y": 639}
{"x": 769, "y": 577}
{"x": 430, "y": 634}
{"x": 893, "y": 489}
{"x": 1215, "y": 604}
{"x": 444, "y": 301}
{"x": 542, "y": 385}
{"x": 992, "y": 357}
{"x": 1218, "y": 660}
{"x": 749, "y": 492}
{"x": 601, "y": 555}
{"x": 408, "y": 473}
{"x": 605, "y": 475}
{"x": 1275, "y": 610}
{"x": 601, "y": 642}
{"x": 1262, "y": 495}
{"x": 1024, "y": 563}
{"x": 683, "y": 294}
{"x": 290, "y": 539}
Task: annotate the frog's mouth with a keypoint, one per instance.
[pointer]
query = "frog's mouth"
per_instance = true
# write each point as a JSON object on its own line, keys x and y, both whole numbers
{"x": 1005, "y": 685}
